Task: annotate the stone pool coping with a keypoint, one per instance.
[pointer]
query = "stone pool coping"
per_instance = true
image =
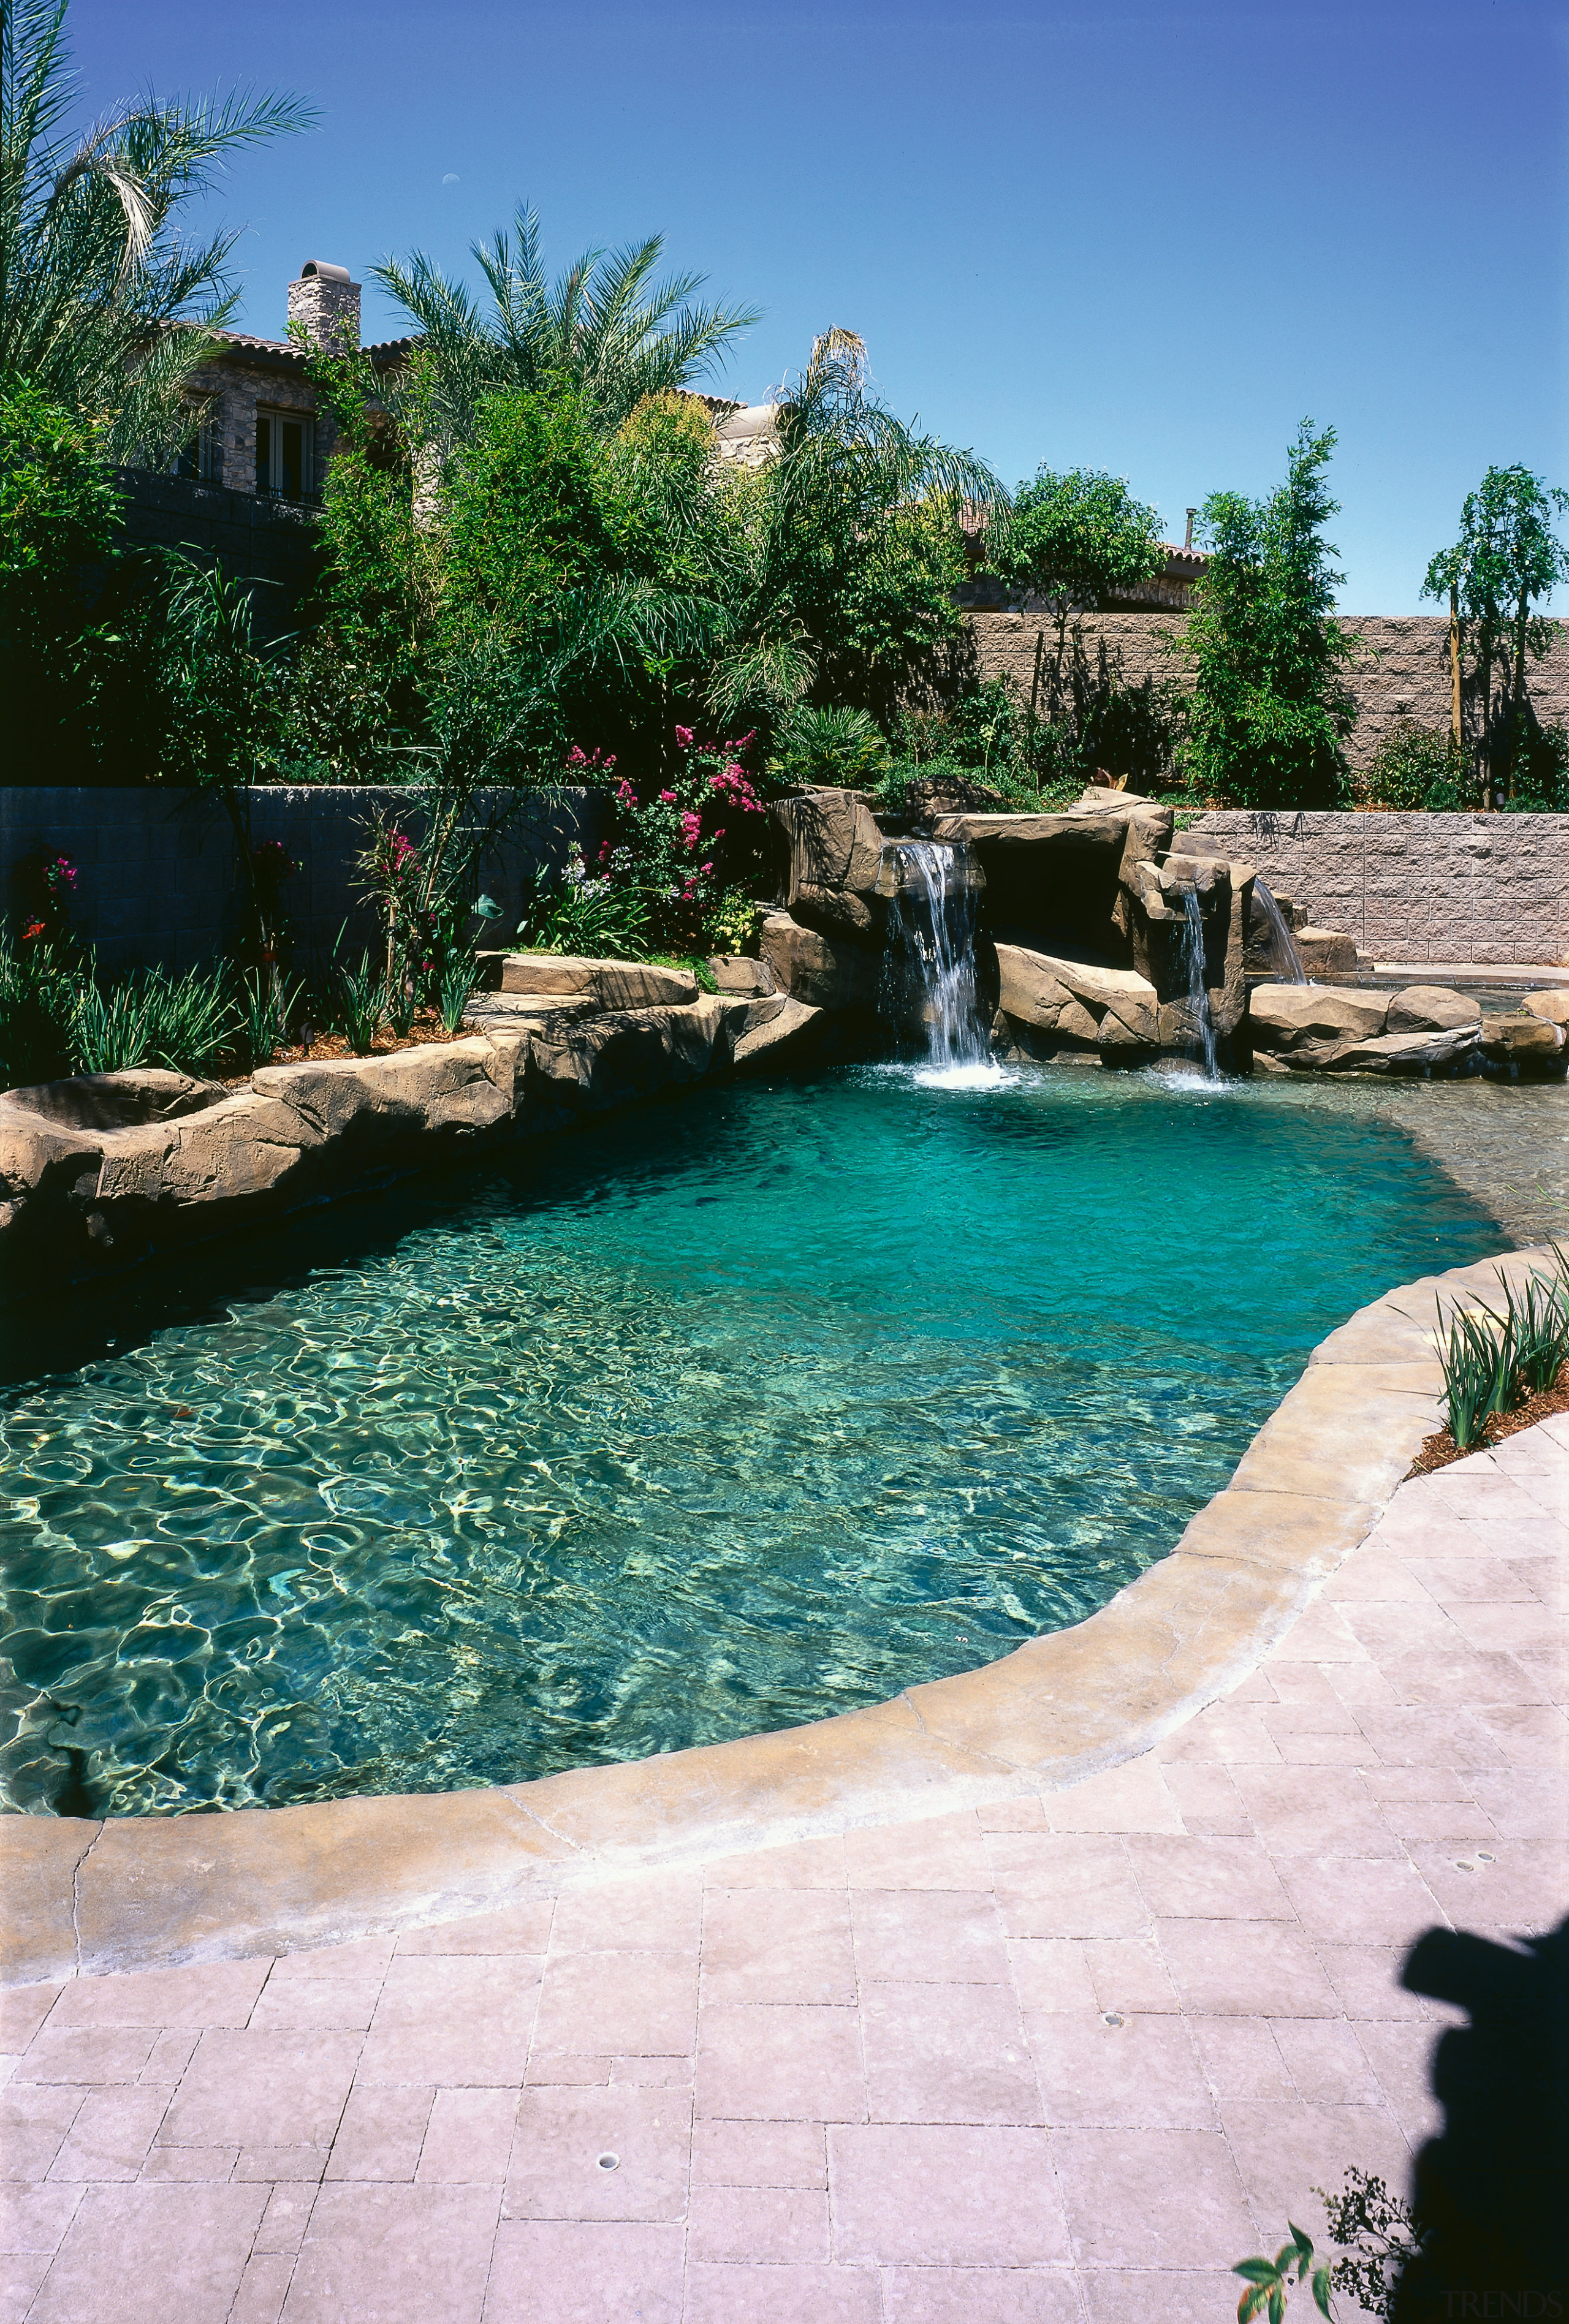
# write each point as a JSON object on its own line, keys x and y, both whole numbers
{"x": 142, "y": 1892}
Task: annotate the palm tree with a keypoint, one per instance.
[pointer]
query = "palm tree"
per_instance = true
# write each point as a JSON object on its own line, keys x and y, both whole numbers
{"x": 605, "y": 329}
{"x": 102, "y": 305}
{"x": 846, "y": 470}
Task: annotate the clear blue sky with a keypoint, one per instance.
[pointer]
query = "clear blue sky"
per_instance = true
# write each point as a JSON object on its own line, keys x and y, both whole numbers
{"x": 1145, "y": 240}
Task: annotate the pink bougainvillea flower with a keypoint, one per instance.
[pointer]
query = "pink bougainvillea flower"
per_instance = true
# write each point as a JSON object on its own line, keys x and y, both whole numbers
{"x": 683, "y": 738}
{"x": 705, "y": 869}
{"x": 669, "y": 796}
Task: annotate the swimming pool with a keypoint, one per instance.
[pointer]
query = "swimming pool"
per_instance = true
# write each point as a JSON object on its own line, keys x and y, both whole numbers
{"x": 730, "y": 1413}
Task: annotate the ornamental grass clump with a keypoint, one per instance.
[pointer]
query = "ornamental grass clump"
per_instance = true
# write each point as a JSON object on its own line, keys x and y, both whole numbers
{"x": 357, "y": 1002}
{"x": 1476, "y": 1373}
{"x": 154, "y": 1018}
{"x": 1493, "y": 1362}
{"x": 1539, "y": 1329}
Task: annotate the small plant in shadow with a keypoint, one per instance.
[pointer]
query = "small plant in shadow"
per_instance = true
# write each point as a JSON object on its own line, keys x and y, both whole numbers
{"x": 1270, "y": 2280}
{"x": 459, "y": 975}
{"x": 1379, "y": 2236}
{"x": 359, "y": 1002}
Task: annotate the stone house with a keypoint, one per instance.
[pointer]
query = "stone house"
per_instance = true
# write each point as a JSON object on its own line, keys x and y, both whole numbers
{"x": 244, "y": 488}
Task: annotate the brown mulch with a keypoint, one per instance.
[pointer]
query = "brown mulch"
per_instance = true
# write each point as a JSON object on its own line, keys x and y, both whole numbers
{"x": 1437, "y": 1452}
{"x": 426, "y": 1029}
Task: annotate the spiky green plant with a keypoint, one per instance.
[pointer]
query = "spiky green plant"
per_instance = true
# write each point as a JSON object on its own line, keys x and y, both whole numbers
{"x": 1476, "y": 1356}
{"x": 459, "y": 975}
{"x": 606, "y": 329}
{"x": 265, "y": 1003}
{"x": 358, "y": 999}
{"x": 104, "y": 302}
{"x": 1539, "y": 1330}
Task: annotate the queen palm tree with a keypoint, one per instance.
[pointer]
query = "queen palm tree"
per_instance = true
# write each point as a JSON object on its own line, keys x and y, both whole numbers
{"x": 605, "y": 329}
{"x": 102, "y": 305}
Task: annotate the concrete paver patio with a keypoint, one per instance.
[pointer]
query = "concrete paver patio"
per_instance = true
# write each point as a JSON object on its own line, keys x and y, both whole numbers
{"x": 1063, "y": 2058}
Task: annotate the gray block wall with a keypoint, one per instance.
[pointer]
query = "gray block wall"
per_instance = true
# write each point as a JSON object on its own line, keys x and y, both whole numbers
{"x": 159, "y": 875}
{"x": 1482, "y": 888}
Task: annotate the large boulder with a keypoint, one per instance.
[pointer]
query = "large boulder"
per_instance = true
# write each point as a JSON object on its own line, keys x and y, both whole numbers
{"x": 772, "y": 1025}
{"x": 610, "y": 1060}
{"x": 452, "y": 1087}
{"x": 1552, "y": 1006}
{"x": 1285, "y": 1017}
{"x": 732, "y": 974}
{"x": 1325, "y": 952}
{"x": 1082, "y": 1004}
{"x": 835, "y": 850}
{"x": 610, "y": 984}
{"x": 117, "y": 1100}
{"x": 1159, "y": 902}
{"x": 826, "y": 971}
{"x": 1432, "y": 1008}
{"x": 1524, "y": 1042}
{"x": 1399, "y": 1053}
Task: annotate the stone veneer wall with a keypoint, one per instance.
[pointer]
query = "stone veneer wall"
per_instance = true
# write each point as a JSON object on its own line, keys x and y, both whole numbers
{"x": 1454, "y": 888}
{"x": 1401, "y": 672}
{"x": 158, "y": 881}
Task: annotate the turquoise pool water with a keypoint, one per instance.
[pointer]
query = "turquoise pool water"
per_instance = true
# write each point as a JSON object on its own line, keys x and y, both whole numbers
{"x": 724, "y": 1415}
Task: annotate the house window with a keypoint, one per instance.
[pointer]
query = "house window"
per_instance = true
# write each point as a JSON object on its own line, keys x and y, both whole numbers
{"x": 195, "y": 458}
{"x": 284, "y": 446}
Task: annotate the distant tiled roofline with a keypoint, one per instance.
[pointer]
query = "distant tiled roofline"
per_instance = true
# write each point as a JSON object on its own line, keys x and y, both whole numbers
{"x": 382, "y": 352}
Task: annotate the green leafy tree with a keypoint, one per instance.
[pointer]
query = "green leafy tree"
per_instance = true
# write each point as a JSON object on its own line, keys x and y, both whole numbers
{"x": 104, "y": 302}
{"x": 1072, "y": 539}
{"x": 1270, "y": 709}
{"x": 60, "y": 515}
{"x": 1507, "y": 558}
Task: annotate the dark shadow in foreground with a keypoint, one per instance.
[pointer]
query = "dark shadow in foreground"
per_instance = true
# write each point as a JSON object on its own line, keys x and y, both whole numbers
{"x": 1492, "y": 2199}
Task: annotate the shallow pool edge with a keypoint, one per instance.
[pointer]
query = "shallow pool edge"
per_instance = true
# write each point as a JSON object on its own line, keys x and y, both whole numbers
{"x": 146, "y": 1892}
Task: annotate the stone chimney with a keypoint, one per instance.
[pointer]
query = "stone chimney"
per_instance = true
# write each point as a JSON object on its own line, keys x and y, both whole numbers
{"x": 329, "y": 305}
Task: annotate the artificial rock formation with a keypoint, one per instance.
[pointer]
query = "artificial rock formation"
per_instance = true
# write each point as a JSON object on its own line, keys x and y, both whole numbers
{"x": 1086, "y": 921}
{"x": 1424, "y": 1029}
{"x": 105, "y": 1168}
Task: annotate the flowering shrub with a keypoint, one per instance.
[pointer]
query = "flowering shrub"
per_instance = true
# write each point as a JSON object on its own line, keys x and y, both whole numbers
{"x": 690, "y": 843}
{"x": 48, "y": 884}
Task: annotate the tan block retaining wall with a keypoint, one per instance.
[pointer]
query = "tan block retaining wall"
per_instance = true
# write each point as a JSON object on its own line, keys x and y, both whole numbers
{"x": 1401, "y": 670}
{"x": 140, "y": 1892}
{"x": 1415, "y": 887}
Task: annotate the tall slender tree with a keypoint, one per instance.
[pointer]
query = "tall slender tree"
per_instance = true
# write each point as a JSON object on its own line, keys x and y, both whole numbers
{"x": 1507, "y": 557}
{"x": 1269, "y": 708}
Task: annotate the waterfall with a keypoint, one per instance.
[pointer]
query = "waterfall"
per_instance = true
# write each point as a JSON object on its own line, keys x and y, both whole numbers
{"x": 1286, "y": 958}
{"x": 1201, "y": 1025}
{"x": 928, "y": 961}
